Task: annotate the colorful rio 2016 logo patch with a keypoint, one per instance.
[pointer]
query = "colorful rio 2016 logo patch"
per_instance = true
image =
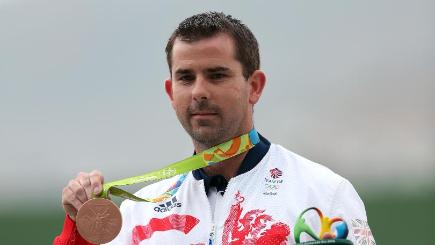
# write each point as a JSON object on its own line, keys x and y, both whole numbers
{"x": 325, "y": 235}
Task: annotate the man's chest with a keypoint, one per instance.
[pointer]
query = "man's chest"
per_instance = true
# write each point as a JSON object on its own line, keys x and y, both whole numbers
{"x": 253, "y": 212}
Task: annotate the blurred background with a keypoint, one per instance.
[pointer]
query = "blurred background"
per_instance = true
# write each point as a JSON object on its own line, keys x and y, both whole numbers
{"x": 351, "y": 85}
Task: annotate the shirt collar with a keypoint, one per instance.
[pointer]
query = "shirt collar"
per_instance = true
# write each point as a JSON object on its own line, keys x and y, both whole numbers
{"x": 252, "y": 158}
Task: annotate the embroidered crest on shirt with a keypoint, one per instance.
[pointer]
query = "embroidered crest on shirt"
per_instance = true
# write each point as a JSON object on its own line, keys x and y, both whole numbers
{"x": 272, "y": 183}
{"x": 252, "y": 227}
{"x": 362, "y": 233}
{"x": 275, "y": 173}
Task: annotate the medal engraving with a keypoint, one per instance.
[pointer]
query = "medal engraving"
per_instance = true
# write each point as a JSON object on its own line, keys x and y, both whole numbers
{"x": 99, "y": 221}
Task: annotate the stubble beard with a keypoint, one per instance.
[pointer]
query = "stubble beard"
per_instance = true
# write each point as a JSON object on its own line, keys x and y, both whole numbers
{"x": 208, "y": 133}
{"x": 212, "y": 137}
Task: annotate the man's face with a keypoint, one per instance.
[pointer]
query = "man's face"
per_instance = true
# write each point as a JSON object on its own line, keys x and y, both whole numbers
{"x": 208, "y": 91}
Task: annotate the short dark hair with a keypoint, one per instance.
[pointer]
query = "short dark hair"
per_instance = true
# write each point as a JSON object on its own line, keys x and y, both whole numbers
{"x": 208, "y": 24}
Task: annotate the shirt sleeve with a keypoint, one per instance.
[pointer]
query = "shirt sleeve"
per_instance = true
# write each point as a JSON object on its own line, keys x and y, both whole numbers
{"x": 348, "y": 205}
{"x": 70, "y": 235}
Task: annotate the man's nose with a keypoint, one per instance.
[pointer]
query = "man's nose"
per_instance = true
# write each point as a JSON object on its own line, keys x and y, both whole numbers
{"x": 201, "y": 89}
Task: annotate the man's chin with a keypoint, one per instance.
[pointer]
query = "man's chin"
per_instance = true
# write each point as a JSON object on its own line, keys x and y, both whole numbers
{"x": 208, "y": 136}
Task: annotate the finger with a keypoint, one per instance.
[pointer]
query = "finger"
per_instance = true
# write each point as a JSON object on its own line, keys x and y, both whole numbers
{"x": 70, "y": 202}
{"x": 85, "y": 182}
{"x": 72, "y": 213}
{"x": 77, "y": 190}
{"x": 97, "y": 181}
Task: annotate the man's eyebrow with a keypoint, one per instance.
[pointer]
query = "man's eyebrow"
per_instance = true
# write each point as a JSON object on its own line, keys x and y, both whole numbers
{"x": 217, "y": 69}
{"x": 183, "y": 71}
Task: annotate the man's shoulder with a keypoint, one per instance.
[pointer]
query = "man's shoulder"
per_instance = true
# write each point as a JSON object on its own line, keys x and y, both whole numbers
{"x": 313, "y": 180}
{"x": 303, "y": 168}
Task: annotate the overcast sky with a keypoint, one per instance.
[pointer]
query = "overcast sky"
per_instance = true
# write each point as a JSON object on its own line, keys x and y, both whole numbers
{"x": 350, "y": 85}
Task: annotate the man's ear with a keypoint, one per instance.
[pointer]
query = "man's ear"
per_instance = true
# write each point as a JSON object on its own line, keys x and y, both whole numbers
{"x": 257, "y": 82}
{"x": 168, "y": 89}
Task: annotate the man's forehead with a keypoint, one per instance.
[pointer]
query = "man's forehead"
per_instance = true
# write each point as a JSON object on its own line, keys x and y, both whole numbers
{"x": 205, "y": 54}
{"x": 207, "y": 65}
{"x": 217, "y": 45}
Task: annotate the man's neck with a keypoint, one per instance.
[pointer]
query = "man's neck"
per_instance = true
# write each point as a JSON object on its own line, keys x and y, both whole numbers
{"x": 227, "y": 168}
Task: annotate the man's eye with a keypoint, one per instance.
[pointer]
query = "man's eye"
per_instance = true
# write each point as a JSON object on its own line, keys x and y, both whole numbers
{"x": 217, "y": 76}
{"x": 186, "y": 78}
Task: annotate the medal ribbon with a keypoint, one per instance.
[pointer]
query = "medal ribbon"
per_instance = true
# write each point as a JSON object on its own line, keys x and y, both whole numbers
{"x": 206, "y": 158}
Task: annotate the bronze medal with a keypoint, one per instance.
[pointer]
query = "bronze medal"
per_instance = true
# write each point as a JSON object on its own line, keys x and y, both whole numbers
{"x": 99, "y": 220}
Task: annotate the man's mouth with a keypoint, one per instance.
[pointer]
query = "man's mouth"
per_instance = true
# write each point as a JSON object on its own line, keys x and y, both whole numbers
{"x": 203, "y": 114}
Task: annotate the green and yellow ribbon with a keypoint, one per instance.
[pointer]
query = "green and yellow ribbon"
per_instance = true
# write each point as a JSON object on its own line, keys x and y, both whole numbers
{"x": 206, "y": 158}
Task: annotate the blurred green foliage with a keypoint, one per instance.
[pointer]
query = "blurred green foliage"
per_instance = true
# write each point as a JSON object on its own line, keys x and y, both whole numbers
{"x": 394, "y": 220}
{"x": 397, "y": 220}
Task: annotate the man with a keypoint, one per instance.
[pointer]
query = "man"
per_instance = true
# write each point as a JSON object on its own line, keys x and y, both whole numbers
{"x": 253, "y": 198}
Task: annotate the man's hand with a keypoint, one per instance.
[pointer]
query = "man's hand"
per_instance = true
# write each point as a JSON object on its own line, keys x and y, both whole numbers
{"x": 81, "y": 189}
